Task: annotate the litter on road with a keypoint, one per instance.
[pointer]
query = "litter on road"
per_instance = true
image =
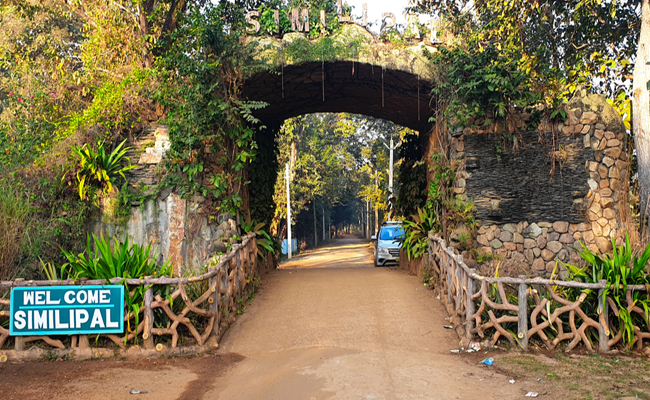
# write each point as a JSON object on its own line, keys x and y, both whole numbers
{"x": 448, "y": 327}
{"x": 133, "y": 391}
{"x": 512, "y": 381}
{"x": 488, "y": 361}
{"x": 532, "y": 394}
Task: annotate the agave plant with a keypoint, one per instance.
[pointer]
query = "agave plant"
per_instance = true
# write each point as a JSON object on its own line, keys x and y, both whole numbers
{"x": 100, "y": 166}
{"x": 620, "y": 270}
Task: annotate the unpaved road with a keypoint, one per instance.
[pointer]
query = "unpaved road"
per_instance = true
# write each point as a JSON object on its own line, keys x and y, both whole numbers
{"x": 332, "y": 326}
{"x": 328, "y": 325}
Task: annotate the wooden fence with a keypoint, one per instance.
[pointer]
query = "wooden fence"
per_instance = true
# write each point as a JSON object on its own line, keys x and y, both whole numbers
{"x": 200, "y": 306}
{"x": 520, "y": 308}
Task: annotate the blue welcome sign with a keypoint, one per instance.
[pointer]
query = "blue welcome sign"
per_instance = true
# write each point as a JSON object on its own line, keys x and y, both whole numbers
{"x": 66, "y": 310}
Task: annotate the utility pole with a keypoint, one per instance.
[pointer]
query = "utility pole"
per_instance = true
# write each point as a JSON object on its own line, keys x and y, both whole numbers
{"x": 390, "y": 178}
{"x": 376, "y": 230}
{"x": 322, "y": 209}
{"x": 367, "y": 219}
{"x": 390, "y": 170}
{"x": 286, "y": 177}
{"x": 315, "y": 227}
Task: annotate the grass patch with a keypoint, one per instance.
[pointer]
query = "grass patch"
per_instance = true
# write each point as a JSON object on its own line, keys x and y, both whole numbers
{"x": 584, "y": 376}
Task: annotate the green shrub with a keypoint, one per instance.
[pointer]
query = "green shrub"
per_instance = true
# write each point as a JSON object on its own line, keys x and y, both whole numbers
{"x": 416, "y": 233}
{"x": 98, "y": 165}
{"x": 620, "y": 270}
{"x": 265, "y": 245}
{"x": 122, "y": 260}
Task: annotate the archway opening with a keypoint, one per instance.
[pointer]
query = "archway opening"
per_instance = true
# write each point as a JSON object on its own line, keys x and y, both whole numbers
{"x": 339, "y": 176}
{"x": 369, "y": 93}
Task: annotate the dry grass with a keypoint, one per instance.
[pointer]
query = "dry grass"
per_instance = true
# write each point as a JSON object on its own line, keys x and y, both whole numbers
{"x": 14, "y": 213}
{"x": 583, "y": 376}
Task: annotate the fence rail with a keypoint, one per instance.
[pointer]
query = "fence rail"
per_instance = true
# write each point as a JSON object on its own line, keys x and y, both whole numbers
{"x": 200, "y": 305}
{"x": 520, "y": 308}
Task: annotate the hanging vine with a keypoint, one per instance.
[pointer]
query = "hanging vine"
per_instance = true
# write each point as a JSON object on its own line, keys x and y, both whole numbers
{"x": 210, "y": 126}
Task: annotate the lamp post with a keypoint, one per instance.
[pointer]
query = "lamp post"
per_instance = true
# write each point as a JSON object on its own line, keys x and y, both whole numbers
{"x": 286, "y": 177}
{"x": 390, "y": 177}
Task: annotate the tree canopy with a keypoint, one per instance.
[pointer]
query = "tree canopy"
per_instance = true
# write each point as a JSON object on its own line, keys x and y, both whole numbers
{"x": 338, "y": 162}
{"x": 564, "y": 46}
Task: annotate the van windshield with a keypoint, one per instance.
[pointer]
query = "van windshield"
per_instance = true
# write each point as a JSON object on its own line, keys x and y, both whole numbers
{"x": 391, "y": 233}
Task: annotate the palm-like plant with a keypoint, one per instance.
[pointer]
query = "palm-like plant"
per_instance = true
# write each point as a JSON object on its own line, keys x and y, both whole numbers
{"x": 620, "y": 270}
{"x": 100, "y": 166}
{"x": 265, "y": 244}
{"x": 122, "y": 260}
{"x": 416, "y": 233}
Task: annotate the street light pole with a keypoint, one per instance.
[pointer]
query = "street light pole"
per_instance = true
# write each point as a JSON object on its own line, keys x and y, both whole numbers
{"x": 322, "y": 208}
{"x": 390, "y": 174}
{"x": 390, "y": 170}
{"x": 286, "y": 177}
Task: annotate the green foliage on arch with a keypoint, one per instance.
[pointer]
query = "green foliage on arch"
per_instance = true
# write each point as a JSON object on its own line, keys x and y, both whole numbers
{"x": 412, "y": 177}
{"x": 211, "y": 131}
{"x": 478, "y": 81}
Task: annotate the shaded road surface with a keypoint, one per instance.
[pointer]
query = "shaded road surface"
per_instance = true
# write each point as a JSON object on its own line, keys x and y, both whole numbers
{"x": 328, "y": 325}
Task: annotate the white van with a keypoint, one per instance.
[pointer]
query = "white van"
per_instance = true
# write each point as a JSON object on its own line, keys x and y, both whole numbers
{"x": 388, "y": 244}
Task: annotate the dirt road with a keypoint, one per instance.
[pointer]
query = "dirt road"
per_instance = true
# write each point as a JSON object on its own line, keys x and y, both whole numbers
{"x": 332, "y": 326}
{"x": 328, "y": 325}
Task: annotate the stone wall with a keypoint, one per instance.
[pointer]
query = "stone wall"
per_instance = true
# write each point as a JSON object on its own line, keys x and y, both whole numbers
{"x": 181, "y": 230}
{"x": 416, "y": 266}
{"x": 566, "y": 182}
{"x": 178, "y": 230}
{"x": 513, "y": 186}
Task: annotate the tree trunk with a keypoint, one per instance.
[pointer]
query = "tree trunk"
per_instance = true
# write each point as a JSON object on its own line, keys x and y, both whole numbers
{"x": 322, "y": 209}
{"x": 641, "y": 108}
{"x": 376, "y": 220}
{"x": 329, "y": 228}
{"x": 172, "y": 17}
{"x": 145, "y": 11}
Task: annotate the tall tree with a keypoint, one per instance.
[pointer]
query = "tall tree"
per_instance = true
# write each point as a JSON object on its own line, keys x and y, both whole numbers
{"x": 641, "y": 112}
{"x": 568, "y": 45}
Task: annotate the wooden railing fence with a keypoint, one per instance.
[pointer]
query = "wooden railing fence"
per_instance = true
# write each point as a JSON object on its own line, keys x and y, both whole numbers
{"x": 199, "y": 304}
{"x": 520, "y": 308}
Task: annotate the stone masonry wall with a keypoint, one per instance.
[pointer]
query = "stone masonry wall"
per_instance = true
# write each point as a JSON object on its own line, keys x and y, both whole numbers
{"x": 514, "y": 186}
{"x": 530, "y": 218}
{"x": 180, "y": 229}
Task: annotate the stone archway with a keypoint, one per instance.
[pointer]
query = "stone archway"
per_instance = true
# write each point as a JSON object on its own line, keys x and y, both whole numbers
{"x": 381, "y": 80}
{"x": 343, "y": 86}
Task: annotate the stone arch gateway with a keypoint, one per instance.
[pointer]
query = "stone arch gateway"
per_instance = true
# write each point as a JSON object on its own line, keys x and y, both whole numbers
{"x": 526, "y": 215}
{"x": 368, "y": 77}
{"x": 342, "y": 86}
